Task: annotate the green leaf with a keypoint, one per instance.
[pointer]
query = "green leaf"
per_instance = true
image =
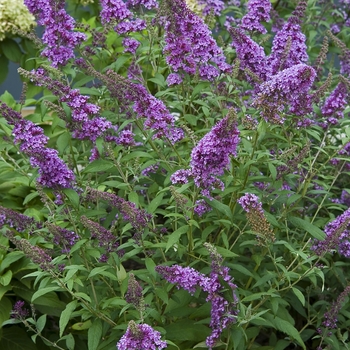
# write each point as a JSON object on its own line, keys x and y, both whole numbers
{"x": 43, "y": 291}
{"x": 63, "y": 141}
{"x": 29, "y": 197}
{"x": 65, "y": 315}
{"x": 287, "y": 328}
{"x": 80, "y": 326}
{"x": 150, "y": 266}
{"x": 98, "y": 165}
{"x": 5, "y": 309}
{"x": 72, "y": 196}
{"x": 97, "y": 270}
{"x": 11, "y": 50}
{"x": 6, "y": 278}
{"x": 221, "y": 207}
{"x": 299, "y": 295}
{"x": 155, "y": 203}
{"x": 94, "y": 334}
{"x": 307, "y": 226}
{"x": 15, "y": 338}
{"x": 273, "y": 170}
{"x": 9, "y": 259}
{"x": 40, "y": 323}
{"x": 175, "y": 236}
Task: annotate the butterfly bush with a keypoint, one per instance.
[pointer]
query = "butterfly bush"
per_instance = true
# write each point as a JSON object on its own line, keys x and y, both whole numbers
{"x": 210, "y": 157}
{"x": 60, "y": 40}
{"x": 141, "y": 337}
{"x": 53, "y": 172}
{"x": 223, "y": 312}
{"x": 180, "y": 178}
{"x": 258, "y": 11}
{"x": 190, "y": 46}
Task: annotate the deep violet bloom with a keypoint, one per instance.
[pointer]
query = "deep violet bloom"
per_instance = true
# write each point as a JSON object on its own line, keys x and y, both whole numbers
{"x": 337, "y": 236}
{"x": 19, "y": 312}
{"x": 250, "y": 54}
{"x": 130, "y": 45}
{"x": 211, "y": 156}
{"x": 282, "y": 56}
{"x": 252, "y": 205}
{"x": 52, "y": 170}
{"x": 336, "y": 102}
{"x": 59, "y": 35}
{"x": 215, "y": 6}
{"x": 130, "y": 26}
{"x": 190, "y": 46}
{"x": 331, "y": 316}
{"x": 149, "y": 4}
{"x": 114, "y": 10}
{"x": 258, "y": 11}
{"x": 290, "y": 86}
{"x": 18, "y": 221}
{"x": 158, "y": 117}
{"x": 141, "y": 337}
{"x": 223, "y": 312}
{"x": 84, "y": 123}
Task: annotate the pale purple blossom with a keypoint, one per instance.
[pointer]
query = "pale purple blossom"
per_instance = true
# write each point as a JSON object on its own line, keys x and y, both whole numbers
{"x": 258, "y": 11}
{"x": 282, "y": 56}
{"x": 223, "y": 311}
{"x": 214, "y": 6}
{"x": 250, "y": 54}
{"x": 174, "y": 79}
{"x": 130, "y": 45}
{"x": 148, "y": 4}
{"x": 59, "y": 35}
{"x": 128, "y": 26}
{"x": 53, "y": 172}
{"x": 287, "y": 88}
{"x": 211, "y": 156}
{"x": 336, "y": 102}
{"x": 141, "y": 337}
{"x": 331, "y": 316}
{"x": 190, "y": 46}
{"x": 114, "y": 10}
{"x": 337, "y": 237}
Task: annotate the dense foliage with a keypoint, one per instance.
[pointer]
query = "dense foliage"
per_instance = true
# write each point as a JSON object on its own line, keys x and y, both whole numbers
{"x": 183, "y": 180}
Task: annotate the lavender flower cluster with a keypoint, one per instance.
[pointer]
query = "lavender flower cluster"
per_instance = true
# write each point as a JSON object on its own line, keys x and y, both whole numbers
{"x": 258, "y": 11}
{"x": 189, "y": 45}
{"x": 211, "y": 156}
{"x": 59, "y": 35}
{"x": 53, "y": 171}
{"x": 337, "y": 237}
{"x": 19, "y": 222}
{"x": 223, "y": 312}
{"x": 138, "y": 218}
{"x": 141, "y": 337}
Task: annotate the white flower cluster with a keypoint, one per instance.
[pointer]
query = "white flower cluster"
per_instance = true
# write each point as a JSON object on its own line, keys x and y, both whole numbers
{"x": 14, "y": 14}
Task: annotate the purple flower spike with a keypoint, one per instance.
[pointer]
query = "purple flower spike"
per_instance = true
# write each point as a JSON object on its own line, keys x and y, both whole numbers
{"x": 190, "y": 46}
{"x": 211, "y": 156}
{"x": 290, "y": 86}
{"x": 335, "y": 103}
{"x": 337, "y": 236}
{"x": 282, "y": 56}
{"x": 250, "y": 54}
{"x": 114, "y": 10}
{"x": 215, "y": 6}
{"x": 59, "y": 35}
{"x": 53, "y": 171}
{"x": 223, "y": 312}
{"x": 141, "y": 337}
{"x": 258, "y": 11}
